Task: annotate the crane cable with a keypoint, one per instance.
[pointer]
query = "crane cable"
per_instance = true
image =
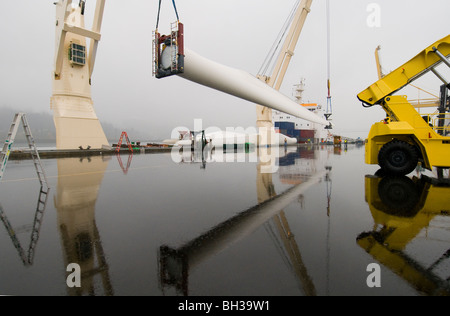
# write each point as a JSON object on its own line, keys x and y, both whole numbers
{"x": 176, "y": 11}
{"x": 329, "y": 105}
{"x": 268, "y": 61}
{"x": 159, "y": 12}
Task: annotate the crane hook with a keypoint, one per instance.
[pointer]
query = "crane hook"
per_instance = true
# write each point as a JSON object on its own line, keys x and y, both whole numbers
{"x": 82, "y": 5}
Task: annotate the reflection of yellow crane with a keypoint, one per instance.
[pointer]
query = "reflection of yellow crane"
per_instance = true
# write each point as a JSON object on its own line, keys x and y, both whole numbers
{"x": 401, "y": 209}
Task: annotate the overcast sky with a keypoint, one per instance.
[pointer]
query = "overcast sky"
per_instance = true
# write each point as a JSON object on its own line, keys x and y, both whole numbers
{"x": 236, "y": 33}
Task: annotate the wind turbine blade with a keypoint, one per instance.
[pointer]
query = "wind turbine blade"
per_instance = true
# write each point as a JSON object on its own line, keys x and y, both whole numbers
{"x": 242, "y": 85}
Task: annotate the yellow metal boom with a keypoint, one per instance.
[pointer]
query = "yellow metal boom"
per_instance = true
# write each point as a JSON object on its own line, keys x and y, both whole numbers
{"x": 425, "y": 61}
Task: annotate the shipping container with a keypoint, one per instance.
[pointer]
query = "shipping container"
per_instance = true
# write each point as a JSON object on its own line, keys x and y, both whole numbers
{"x": 285, "y": 125}
{"x": 307, "y": 133}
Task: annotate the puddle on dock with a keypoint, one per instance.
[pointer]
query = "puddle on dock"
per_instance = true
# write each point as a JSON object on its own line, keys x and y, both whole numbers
{"x": 146, "y": 225}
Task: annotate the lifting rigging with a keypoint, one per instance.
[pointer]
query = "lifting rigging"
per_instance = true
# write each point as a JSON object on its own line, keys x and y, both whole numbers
{"x": 170, "y": 57}
{"x": 329, "y": 105}
{"x": 168, "y": 50}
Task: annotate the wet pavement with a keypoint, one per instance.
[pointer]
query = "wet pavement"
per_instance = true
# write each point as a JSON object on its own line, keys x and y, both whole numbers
{"x": 305, "y": 221}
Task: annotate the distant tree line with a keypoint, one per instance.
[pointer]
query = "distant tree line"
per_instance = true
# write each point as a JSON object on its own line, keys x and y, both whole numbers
{"x": 43, "y": 128}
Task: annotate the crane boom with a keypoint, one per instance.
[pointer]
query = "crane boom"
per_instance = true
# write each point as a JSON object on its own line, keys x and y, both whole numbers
{"x": 264, "y": 114}
{"x": 290, "y": 43}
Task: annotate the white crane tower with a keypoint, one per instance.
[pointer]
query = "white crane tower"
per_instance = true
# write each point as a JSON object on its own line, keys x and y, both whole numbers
{"x": 76, "y": 123}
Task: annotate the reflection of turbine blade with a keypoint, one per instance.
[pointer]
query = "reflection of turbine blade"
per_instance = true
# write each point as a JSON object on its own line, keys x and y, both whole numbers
{"x": 242, "y": 85}
{"x": 79, "y": 182}
{"x": 294, "y": 254}
{"x": 242, "y": 225}
{"x": 177, "y": 262}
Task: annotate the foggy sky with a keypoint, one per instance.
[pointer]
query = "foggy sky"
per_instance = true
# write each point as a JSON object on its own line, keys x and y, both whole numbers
{"x": 236, "y": 33}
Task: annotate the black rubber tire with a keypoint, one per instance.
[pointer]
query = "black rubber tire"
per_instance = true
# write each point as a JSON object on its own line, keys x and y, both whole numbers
{"x": 398, "y": 158}
{"x": 400, "y": 196}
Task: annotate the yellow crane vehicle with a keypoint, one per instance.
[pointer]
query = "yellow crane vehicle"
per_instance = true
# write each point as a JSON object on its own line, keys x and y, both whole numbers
{"x": 405, "y": 137}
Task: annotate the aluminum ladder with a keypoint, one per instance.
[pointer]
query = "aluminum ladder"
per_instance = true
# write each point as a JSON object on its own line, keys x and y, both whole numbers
{"x": 6, "y": 151}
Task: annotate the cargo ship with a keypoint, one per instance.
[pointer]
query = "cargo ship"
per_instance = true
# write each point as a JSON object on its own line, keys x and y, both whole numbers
{"x": 304, "y": 131}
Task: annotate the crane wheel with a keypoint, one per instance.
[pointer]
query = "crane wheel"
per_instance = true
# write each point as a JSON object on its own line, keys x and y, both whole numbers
{"x": 398, "y": 158}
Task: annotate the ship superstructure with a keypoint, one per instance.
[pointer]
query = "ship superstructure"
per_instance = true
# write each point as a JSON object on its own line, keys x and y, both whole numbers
{"x": 304, "y": 131}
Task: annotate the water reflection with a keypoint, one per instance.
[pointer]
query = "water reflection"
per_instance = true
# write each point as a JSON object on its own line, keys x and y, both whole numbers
{"x": 79, "y": 181}
{"x": 402, "y": 209}
{"x": 195, "y": 155}
{"x": 28, "y": 258}
{"x": 273, "y": 230}
{"x": 299, "y": 167}
{"x": 129, "y": 160}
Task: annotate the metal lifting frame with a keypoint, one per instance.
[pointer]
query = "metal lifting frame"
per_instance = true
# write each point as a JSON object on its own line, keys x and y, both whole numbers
{"x": 162, "y": 42}
{"x": 6, "y": 151}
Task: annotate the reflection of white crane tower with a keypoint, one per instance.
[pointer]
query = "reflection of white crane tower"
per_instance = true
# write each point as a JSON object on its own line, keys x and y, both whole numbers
{"x": 80, "y": 237}
{"x": 75, "y": 120}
